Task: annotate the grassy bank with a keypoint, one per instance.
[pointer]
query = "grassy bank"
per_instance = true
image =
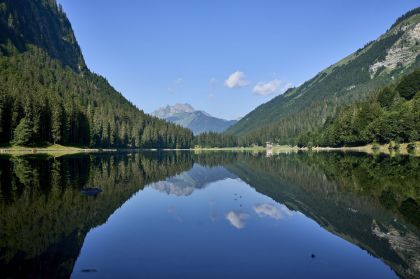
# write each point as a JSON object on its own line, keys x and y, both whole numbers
{"x": 54, "y": 149}
{"x": 377, "y": 149}
{"x": 370, "y": 149}
{"x": 58, "y": 150}
{"x": 253, "y": 148}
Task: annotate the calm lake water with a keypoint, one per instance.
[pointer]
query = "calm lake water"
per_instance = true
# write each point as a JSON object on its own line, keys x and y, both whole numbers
{"x": 210, "y": 215}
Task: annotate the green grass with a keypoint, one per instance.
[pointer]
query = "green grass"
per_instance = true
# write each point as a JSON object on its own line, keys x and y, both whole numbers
{"x": 253, "y": 148}
{"x": 41, "y": 147}
{"x": 54, "y": 149}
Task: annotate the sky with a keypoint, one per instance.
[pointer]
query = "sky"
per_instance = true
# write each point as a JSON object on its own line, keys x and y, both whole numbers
{"x": 223, "y": 57}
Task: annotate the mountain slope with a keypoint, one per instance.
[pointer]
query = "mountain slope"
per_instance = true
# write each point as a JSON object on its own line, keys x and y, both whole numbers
{"x": 307, "y": 107}
{"x": 48, "y": 95}
{"x": 197, "y": 121}
{"x": 391, "y": 115}
{"x": 42, "y": 24}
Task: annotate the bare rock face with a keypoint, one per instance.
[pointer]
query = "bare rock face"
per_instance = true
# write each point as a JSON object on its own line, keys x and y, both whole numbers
{"x": 405, "y": 244}
{"x": 197, "y": 121}
{"x": 169, "y": 111}
{"x": 403, "y": 52}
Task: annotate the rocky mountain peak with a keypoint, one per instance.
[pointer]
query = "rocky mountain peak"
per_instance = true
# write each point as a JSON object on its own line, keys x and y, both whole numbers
{"x": 169, "y": 111}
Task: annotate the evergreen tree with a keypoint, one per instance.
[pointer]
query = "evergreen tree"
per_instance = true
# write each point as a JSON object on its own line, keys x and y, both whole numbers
{"x": 57, "y": 124}
{"x": 23, "y": 134}
{"x": 386, "y": 97}
{"x": 410, "y": 85}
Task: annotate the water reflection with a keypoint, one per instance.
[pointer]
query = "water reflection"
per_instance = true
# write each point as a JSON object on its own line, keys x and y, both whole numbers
{"x": 237, "y": 219}
{"x": 210, "y": 214}
{"x": 196, "y": 178}
{"x": 270, "y": 210}
{"x": 44, "y": 217}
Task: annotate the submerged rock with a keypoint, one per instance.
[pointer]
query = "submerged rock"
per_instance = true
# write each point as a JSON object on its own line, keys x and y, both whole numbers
{"x": 91, "y": 191}
{"x": 89, "y": 270}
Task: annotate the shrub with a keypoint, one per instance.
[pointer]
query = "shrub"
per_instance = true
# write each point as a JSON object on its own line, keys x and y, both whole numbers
{"x": 375, "y": 146}
{"x": 393, "y": 145}
{"x": 412, "y": 146}
{"x": 410, "y": 85}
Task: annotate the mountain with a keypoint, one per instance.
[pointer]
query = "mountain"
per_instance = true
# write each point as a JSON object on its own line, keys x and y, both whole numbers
{"x": 185, "y": 183}
{"x": 42, "y": 24}
{"x": 392, "y": 115}
{"x": 48, "y": 94}
{"x": 197, "y": 121}
{"x": 308, "y": 107}
{"x": 169, "y": 111}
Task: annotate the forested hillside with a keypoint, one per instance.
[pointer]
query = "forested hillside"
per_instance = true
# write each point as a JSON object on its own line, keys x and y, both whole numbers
{"x": 307, "y": 107}
{"x": 393, "y": 114}
{"x": 48, "y": 95}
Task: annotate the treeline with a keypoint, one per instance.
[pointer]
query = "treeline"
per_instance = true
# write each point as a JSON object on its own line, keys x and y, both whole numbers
{"x": 220, "y": 140}
{"x": 215, "y": 140}
{"x": 42, "y": 102}
{"x": 393, "y": 114}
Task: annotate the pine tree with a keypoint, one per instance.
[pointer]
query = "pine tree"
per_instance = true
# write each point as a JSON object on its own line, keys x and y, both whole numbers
{"x": 57, "y": 123}
{"x": 23, "y": 133}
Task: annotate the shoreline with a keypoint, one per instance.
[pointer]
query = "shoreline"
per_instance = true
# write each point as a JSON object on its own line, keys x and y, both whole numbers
{"x": 52, "y": 149}
{"x": 381, "y": 149}
{"x": 367, "y": 149}
{"x": 63, "y": 150}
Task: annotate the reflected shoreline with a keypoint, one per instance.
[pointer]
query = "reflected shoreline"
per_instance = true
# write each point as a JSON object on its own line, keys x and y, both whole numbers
{"x": 371, "y": 201}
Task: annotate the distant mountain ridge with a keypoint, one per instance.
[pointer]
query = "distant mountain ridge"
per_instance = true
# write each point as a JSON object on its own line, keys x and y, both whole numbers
{"x": 197, "y": 121}
{"x": 308, "y": 107}
{"x": 185, "y": 183}
{"x": 167, "y": 111}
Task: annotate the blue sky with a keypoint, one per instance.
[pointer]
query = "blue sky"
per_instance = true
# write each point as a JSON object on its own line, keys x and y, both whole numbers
{"x": 224, "y": 57}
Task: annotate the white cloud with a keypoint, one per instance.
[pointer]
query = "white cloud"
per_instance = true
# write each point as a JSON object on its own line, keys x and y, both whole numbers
{"x": 268, "y": 210}
{"x": 237, "y": 79}
{"x": 267, "y": 88}
{"x": 270, "y": 87}
{"x": 237, "y": 219}
{"x": 287, "y": 86}
{"x": 175, "y": 85}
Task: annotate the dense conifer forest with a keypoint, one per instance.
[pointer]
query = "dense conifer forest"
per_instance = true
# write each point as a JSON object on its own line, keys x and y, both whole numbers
{"x": 390, "y": 115}
{"x": 49, "y": 96}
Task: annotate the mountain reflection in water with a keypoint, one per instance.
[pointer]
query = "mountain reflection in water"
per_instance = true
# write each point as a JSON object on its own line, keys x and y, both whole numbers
{"x": 210, "y": 214}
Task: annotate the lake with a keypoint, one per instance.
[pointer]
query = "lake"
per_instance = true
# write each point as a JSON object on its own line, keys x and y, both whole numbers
{"x": 210, "y": 215}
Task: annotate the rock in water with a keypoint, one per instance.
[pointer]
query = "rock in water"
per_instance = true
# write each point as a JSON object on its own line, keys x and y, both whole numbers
{"x": 91, "y": 191}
